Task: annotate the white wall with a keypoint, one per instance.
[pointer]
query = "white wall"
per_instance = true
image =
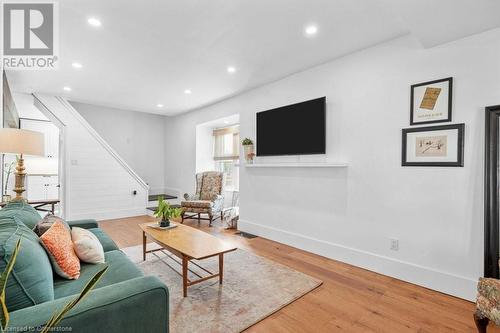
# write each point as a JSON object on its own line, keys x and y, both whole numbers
{"x": 204, "y": 148}
{"x": 26, "y": 107}
{"x": 137, "y": 137}
{"x": 350, "y": 214}
{"x": 97, "y": 183}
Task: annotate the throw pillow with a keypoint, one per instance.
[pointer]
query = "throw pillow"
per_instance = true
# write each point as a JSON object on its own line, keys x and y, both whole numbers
{"x": 57, "y": 242}
{"x": 44, "y": 224}
{"x": 87, "y": 246}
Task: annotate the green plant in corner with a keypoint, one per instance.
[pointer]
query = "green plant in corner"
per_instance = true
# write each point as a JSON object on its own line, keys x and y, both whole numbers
{"x": 247, "y": 142}
{"x": 56, "y": 317}
{"x": 165, "y": 212}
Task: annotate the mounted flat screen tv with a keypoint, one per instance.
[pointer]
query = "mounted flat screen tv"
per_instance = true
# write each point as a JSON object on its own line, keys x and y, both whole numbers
{"x": 297, "y": 129}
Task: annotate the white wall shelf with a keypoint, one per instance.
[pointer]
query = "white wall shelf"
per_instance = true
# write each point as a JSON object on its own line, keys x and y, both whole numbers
{"x": 297, "y": 165}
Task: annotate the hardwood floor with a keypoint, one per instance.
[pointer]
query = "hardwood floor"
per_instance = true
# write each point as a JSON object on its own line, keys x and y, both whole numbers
{"x": 351, "y": 299}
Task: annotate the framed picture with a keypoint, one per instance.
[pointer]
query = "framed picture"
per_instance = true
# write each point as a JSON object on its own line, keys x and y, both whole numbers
{"x": 431, "y": 102}
{"x": 433, "y": 146}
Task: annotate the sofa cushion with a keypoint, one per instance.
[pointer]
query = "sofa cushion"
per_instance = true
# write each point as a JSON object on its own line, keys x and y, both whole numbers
{"x": 31, "y": 281}
{"x": 197, "y": 204}
{"x": 106, "y": 241}
{"x": 23, "y": 212}
{"x": 120, "y": 269}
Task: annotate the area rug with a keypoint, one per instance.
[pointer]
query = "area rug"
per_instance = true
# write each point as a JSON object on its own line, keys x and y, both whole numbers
{"x": 253, "y": 288}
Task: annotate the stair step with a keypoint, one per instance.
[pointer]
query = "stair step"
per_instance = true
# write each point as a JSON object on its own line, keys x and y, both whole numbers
{"x": 153, "y": 209}
{"x": 154, "y": 197}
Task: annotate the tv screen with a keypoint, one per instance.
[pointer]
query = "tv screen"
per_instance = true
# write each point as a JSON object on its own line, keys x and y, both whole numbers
{"x": 297, "y": 129}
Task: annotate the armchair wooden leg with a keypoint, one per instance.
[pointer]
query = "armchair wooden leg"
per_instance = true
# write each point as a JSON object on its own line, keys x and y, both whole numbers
{"x": 481, "y": 323}
{"x": 210, "y": 217}
{"x": 182, "y": 218}
{"x": 199, "y": 218}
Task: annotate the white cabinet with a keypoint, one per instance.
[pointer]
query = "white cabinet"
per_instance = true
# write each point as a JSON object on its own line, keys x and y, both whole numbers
{"x": 51, "y": 134}
{"x": 42, "y": 187}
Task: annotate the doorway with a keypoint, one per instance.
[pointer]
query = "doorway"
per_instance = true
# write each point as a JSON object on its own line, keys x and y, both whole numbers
{"x": 44, "y": 173}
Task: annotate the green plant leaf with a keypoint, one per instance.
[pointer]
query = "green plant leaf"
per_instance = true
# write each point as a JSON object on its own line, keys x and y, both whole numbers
{"x": 57, "y": 317}
{"x": 159, "y": 210}
{"x": 247, "y": 141}
{"x": 4, "y": 315}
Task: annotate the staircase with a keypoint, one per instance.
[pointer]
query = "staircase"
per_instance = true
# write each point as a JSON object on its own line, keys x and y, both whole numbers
{"x": 96, "y": 182}
{"x": 153, "y": 201}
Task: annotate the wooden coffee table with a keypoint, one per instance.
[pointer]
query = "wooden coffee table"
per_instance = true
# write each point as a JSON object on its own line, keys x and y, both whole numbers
{"x": 187, "y": 243}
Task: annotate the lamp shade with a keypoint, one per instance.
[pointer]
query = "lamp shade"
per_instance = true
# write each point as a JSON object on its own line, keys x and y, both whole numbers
{"x": 20, "y": 141}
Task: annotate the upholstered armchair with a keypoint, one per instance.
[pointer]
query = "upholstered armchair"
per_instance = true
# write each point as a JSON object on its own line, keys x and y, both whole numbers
{"x": 207, "y": 199}
{"x": 488, "y": 303}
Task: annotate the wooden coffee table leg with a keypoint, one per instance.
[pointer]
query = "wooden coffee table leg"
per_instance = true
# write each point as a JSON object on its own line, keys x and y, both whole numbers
{"x": 143, "y": 246}
{"x": 221, "y": 267}
{"x": 184, "y": 275}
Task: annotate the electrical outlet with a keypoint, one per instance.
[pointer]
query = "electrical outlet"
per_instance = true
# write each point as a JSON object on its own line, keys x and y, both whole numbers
{"x": 394, "y": 244}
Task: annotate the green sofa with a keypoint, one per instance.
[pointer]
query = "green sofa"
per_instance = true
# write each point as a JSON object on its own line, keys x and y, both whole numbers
{"x": 124, "y": 300}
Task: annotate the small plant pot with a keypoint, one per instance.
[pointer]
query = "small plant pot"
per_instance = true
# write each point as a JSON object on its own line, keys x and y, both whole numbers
{"x": 164, "y": 223}
{"x": 248, "y": 149}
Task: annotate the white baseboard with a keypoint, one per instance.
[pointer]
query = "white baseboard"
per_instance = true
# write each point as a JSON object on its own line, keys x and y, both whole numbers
{"x": 444, "y": 282}
{"x": 109, "y": 214}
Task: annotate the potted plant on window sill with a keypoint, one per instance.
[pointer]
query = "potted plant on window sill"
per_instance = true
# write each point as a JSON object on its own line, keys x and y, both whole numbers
{"x": 166, "y": 212}
{"x": 248, "y": 149}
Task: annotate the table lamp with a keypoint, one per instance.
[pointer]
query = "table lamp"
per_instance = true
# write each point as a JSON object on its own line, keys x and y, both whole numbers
{"x": 22, "y": 142}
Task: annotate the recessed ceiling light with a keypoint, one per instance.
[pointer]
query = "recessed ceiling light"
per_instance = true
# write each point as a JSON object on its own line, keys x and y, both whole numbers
{"x": 187, "y": 92}
{"x": 159, "y": 105}
{"x": 76, "y": 65}
{"x": 231, "y": 69}
{"x": 67, "y": 89}
{"x": 94, "y": 22}
{"x": 311, "y": 30}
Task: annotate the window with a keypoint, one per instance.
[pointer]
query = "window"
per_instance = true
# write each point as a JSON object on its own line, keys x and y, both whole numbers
{"x": 226, "y": 154}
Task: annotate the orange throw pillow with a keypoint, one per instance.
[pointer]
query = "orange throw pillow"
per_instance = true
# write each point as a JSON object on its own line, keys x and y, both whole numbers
{"x": 57, "y": 242}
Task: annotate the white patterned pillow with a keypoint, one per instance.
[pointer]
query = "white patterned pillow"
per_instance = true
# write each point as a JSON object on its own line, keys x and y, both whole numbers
{"x": 87, "y": 246}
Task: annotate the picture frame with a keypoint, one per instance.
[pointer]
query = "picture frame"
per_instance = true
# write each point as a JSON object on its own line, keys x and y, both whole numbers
{"x": 441, "y": 146}
{"x": 431, "y": 102}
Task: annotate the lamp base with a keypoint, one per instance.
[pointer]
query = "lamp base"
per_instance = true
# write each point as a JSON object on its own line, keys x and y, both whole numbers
{"x": 20, "y": 179}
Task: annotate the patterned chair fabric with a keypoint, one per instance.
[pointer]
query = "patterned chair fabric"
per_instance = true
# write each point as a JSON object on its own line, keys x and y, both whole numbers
{"x": 488, "y": 300}
{"x": 208, "y": 198}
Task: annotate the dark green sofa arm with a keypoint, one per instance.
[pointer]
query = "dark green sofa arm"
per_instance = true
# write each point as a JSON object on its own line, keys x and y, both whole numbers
{"x": 136, "y": 305}
{"x": 85, "y": 224}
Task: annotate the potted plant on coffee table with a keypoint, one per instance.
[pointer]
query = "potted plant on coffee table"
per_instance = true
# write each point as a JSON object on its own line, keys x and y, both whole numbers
{"x": 166, "y": 212}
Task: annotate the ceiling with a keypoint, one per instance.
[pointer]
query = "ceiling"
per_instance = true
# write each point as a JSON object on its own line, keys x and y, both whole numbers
{"x": 149, "y": 52}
